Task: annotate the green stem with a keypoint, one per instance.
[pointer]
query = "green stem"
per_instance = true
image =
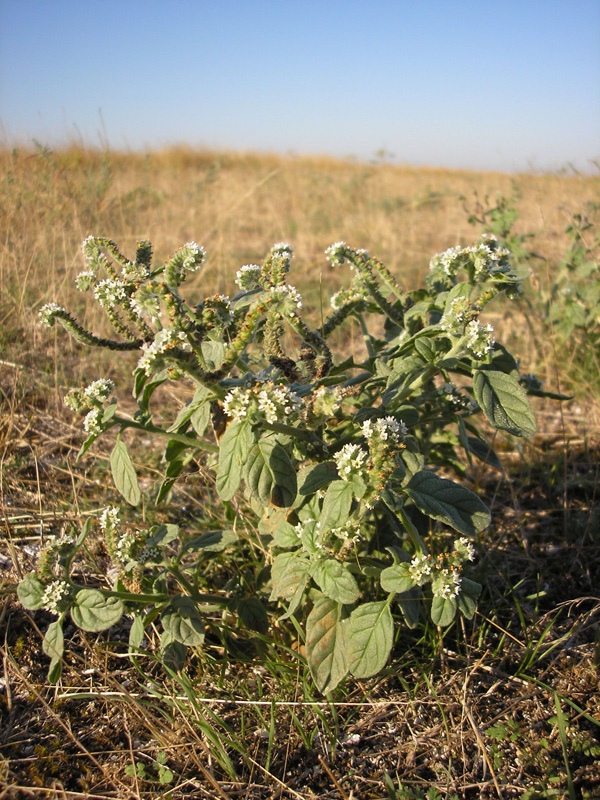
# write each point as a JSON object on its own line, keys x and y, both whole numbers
{"x": 178, "y": 437}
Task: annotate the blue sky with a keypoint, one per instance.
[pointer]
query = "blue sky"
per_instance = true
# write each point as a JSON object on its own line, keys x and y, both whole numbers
{"x": 482, "y": 84}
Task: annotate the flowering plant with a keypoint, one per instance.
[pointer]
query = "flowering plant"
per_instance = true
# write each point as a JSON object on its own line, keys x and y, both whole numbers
{"x": 335, "y": 462}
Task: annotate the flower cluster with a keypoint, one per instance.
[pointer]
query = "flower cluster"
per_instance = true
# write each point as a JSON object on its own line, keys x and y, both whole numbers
{"x": 456, "y": 318}
{"x": 336, "y": 253}
{"x": 215, "y": 312}
{"x": 247, "y": 277}
{"x": 282, "y": 249}
{"x": 351, "y": 460}
{"x": 109, "y": 518}
{"x": 48, "y": 312}
{"x": 52, "y": 553}
{"x": 85, "y": 280}
{"x": 481, "y": 260}
{"x": 288, "y": 297}
{"x": 386, "y": 429}
{"x": 479, "y": 338}
{"x": 273, "y": 402}
{"x": 54, "y": 595}
{"x": 456, "y": 398}
{"x": 345, "y": 296}
{"x": 153, "y": 358}
{"x": 442, "y": 572}
{"x": 110, "y": 292}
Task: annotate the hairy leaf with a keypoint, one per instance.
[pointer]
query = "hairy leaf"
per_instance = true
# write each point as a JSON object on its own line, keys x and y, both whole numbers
{"x": 325, "y": 644}
{"x": 30, "y": 592}
{"x": 370, "y": 635}
{"x": 443, "y": 611}
{"x": 448, "y": 501}
{"x": 53, "y": 643}
{"x": 92, "y": 611}
{"x": 396, "y": 578}
{"x": 181, "y": 619}
{"x": 335, "y": 581}
{"x": 336, "y": 505}
{"x": 124, "y": 474}
{"x": 270, "y": 475}
{"x": 504, "y": 402}
{"x": 233, "y": 451}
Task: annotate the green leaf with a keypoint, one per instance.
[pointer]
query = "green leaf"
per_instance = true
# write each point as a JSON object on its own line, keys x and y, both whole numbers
{"x": 313, "y": 478}
{"x": 55, "y": 670}
{"x": 289, "y": 575}
{"x": 396, "y": 578}
{"x": 448, "y": 502}
{"x": 484, "y": 452}
{"x": 124, "y": 474}
{"x": 410, "y": 605}
{"x": 200, "y": 418}
{"x": 443, "y": 611}
{"x": 336, "y": 505}
{"x": 53, "y": 643}
{"x": 285, "y": 535}
{"x": 30, "y": 592}
{"x": 504, "y": 402}
{"x": 92, "y": 611}
{"x": 325, "y": 644}
{"x": 136, "y": 634}
{"x": 233, "y": 452}
{"x": 335, "y": 581}
{"x": 212, "y": 541}
{"x": 370, "y": 635}
{"x": 270, "y": 475}
{"x": 213, "y": 352}
{"x": 252, "y": 614}
{"x": 182, "y": 621}
{"x": 467, "y": 598}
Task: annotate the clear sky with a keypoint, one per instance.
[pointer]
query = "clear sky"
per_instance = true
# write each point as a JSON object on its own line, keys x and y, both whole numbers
{"x": 482, "y": 84}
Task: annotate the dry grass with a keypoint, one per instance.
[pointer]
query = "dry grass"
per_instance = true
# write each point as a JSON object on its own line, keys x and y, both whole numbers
{"x": 499, "y": 708}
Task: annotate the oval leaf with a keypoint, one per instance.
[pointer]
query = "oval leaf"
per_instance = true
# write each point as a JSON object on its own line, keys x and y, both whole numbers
{"x": 449, "y": 502}
{"x": 336, "y": 505}
{"x": 233, "y": 451}
{"x": 325, "y": 644}
{"x": 124, "y": 474}
{"x": 370, "y": 635}
{"x": 443, "y": 611}
{"x": 270, "y": 474}
{"x": 30, "y": 592}
{"x": 93, "y": 612}
{"x": 182, "y": 621}
{"x": 396, "y": 578}
{"x": 335, "y": 581}
{"x": 504, "y": 402}
{"x": 53, "y": 644}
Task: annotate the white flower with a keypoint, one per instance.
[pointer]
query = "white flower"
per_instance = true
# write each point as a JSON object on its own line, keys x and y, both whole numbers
{"x": 278, "y": 403}
{"x": 109, "y": 519}
{"x": 48, "y": 312}
{"x": 237, "y": 403}
{"x": 420, "y": 569}
{"x": 92, "y": 422}
{"x": 445, "y": 583}
{"x": 109, "y": 292}
{"x": 464, "y": 549}
{"x": 384, "y": 429}
{"x": 460, "y": 312}
{"x": 53, "y": 594}
{"x": 166, "y": 339}
{"x": 247, "y": 277}
{"x": 282, "y": 249}
{"x": 479, "y": 338}
{"x": 194, "y": 255}
{"x": 335, "y": 253}
{"x": 289, "y": 296}
{"x": 350, "y": 460}
{"x": 99, "y": 390}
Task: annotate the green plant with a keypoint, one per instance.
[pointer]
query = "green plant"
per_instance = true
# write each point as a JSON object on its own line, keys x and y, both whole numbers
{"x": 328, "y": 467}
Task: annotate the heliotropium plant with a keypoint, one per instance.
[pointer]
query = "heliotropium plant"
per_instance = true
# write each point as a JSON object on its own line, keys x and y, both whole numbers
{"x": 335, "y": 462}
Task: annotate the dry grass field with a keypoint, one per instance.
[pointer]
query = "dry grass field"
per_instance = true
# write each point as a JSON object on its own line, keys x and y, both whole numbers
{"x": 505, "y": 706}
